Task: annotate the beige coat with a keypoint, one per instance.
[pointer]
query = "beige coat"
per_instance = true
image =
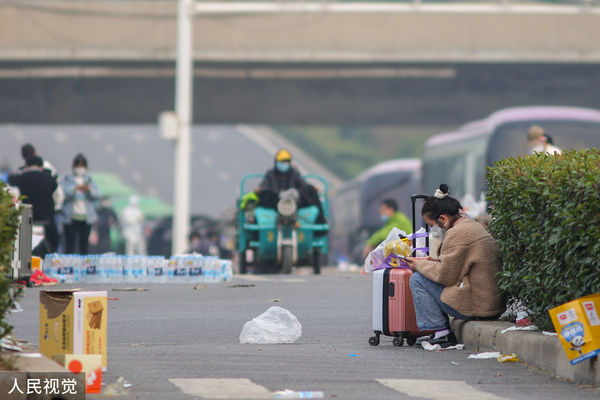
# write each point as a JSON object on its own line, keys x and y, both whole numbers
{"x": 468, "y": 262}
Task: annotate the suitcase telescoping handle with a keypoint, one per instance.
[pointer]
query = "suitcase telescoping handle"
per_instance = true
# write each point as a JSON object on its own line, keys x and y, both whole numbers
{"x": 413, "y": 199}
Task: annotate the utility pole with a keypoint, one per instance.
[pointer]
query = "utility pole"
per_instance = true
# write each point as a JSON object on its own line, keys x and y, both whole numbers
{"x": 183, "y": 110}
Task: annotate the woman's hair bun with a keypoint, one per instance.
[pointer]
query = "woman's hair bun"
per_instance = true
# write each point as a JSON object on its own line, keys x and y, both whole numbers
{"x": 444, "y": 188}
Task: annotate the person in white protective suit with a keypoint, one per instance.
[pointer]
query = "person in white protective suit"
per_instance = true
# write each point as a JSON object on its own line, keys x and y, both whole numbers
{"x": 132, "y": 220}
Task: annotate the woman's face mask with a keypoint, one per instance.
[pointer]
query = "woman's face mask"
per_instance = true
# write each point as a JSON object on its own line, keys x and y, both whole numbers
{"x": 282, "y": 166}
{"x": 438, "y": 231}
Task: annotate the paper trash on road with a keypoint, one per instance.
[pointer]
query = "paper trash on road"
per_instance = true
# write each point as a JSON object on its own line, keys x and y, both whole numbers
{"x": 520, "y": 328}
{"x": 485, "y": 356}
{"x": 546, "y": 333}
{"x": 434, "y": 347}
{"x": 276, "y": 325}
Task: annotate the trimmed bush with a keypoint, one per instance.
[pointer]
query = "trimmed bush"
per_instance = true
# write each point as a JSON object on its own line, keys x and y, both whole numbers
{"x": 546, "y": 219}
{"x": 9, "y": 224}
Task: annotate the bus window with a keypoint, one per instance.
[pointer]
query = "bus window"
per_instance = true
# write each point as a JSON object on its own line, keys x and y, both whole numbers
{"x": 510, "y": 139}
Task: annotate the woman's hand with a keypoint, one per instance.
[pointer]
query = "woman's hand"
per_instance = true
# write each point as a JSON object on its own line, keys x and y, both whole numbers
{"x": 411, "y": 261}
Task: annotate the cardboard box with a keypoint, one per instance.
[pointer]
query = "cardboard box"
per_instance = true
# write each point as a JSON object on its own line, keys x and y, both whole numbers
{"x": 91, "y": 364}
{"x": 578, "y": 326}
{"x": 73, "y": 322}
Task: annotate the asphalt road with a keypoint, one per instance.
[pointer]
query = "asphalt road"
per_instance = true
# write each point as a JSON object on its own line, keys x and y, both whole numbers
{"x": 221, "y": 156}
{"x": 173, "y": 332}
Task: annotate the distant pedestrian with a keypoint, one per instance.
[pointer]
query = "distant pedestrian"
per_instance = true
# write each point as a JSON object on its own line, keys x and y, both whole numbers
{"x": 107, "y": 221}
{"x": 28, "y": 151}
{"x": 132, "y": 222}
{"x": 391, "y": 218}
{"x": 37, "y": 186}
{"x": 79, "y": 209}
{"x": 540, "y": 142}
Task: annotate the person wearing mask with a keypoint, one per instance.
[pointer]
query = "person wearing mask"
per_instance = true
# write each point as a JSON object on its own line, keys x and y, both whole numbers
{"x": 391, "y": 218}
{"x": 132, "y": 223}
{"x": 284, "y": 176}
{"x": 79, "y": 210}
{"x": 37, "y": 187}
{"x": 461, "y": 282}
{"x": 539, "y": 142}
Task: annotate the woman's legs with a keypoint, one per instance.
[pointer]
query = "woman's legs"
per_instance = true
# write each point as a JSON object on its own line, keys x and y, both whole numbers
{"x": 69, "y": 237}
{"x": 432, "y": 312}
{"x": 83, "y": 231}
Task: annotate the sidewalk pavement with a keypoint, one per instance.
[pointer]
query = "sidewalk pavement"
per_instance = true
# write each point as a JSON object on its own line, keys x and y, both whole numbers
{"x": 532, "y": 347}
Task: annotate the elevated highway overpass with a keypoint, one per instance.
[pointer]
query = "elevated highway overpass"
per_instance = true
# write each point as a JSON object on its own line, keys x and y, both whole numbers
{"x": 296, "y": 62}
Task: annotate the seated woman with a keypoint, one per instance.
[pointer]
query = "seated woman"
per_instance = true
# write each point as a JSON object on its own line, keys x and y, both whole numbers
{"x": 462, "y": 282}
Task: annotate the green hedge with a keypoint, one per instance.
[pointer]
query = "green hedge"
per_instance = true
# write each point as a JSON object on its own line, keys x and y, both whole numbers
{"x": 9, "y": 223}
{"x": 546, "y": 218}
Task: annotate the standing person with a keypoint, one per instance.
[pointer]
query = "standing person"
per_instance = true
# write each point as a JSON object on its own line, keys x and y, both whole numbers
{"x": 37, "y": 185}
{"x": 79, "y": 210}
{"x": 132, "y": 222}
{"x": 28, "y": 151}
{"x": 462, "y": 281}
{"x": 107, "y": 220}
{"x": 391, "y": 218}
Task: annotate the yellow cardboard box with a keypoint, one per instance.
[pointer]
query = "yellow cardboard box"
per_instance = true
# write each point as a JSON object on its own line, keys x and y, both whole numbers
{"x": 91, "y": 364}
{"x": 73, "y": 322}
{"x": 578, "y": 327}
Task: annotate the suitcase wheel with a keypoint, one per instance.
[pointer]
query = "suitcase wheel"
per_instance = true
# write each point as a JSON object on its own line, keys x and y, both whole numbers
{"x": 411, "y": 341}
{"x": 398, "y": 341}
{"x": 374, "y": 340}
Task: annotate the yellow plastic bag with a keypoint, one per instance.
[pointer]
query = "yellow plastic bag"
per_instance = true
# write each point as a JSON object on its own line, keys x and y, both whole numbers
{"x": 398, "y": 247}
{"x": 510, "y": 357}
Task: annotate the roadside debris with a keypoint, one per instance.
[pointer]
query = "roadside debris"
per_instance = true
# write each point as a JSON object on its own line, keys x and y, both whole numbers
{"x": 128, "y": 289}
{"x": 510, "y": 357}
{"x": 199, "y": 287}
{"x": 485, "y": 356}
{"x": 118, "y": 388}
{"x": 276, "y": 325}
{"x": 520, "y": 328}
{"x": 435, "y": 347}
{"x": 546, "y": 333}
{"x": 241, "y": 285}
{"x": 275, "y": 301}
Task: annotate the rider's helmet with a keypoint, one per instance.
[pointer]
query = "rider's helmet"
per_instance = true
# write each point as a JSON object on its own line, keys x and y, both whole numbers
{"x": 283, "y": 155}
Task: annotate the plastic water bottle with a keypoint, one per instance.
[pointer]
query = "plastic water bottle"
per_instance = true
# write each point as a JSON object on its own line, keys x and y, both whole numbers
{"x": 195, "y": 268}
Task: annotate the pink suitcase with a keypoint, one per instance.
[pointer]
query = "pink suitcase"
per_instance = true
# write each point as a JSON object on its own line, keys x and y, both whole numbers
{"x": 393, "y": 308}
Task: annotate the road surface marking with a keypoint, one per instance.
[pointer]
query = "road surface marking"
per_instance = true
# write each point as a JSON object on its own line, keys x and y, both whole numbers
{"x": 19, "y": 136}
{"x": 214, "y": 136}
{"x": 152, "y": 191}
{"x": 60, "y": 137}
{"x": 222, "y": 388}
{"x": 437, "y": 390}
{"x": 207, "y": 160}
{"x": 122, "y": 160}
{"x": 293, "y": 280}
{"x": 139, "y": 137}
{"x": 109, "y": 147}
{"x": 137, "y": 175}
{"x": 223, "y": 175}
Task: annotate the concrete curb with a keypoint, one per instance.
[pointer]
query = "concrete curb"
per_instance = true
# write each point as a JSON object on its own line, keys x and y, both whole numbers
{"x": 532, "y": 347}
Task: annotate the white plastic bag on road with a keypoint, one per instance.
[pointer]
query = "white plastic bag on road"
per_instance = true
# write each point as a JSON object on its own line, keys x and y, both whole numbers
{"x": 276, "y": 325}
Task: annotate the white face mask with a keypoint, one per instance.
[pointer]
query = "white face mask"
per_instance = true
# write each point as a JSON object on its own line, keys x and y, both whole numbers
{"x": 79, "y": 171}
{"x": 437, "y": 233}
